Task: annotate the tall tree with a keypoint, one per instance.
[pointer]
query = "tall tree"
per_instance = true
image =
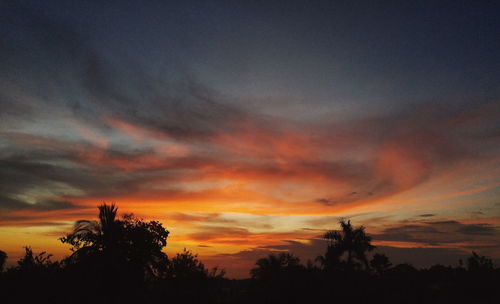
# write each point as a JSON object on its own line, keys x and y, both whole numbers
{"x": 90, "y": 237}
{"x": 119, "y": 244}
{"x": 349, "y": 242}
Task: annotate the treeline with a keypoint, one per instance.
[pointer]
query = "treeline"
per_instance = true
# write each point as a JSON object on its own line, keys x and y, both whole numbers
{"x": 121, "y": 261}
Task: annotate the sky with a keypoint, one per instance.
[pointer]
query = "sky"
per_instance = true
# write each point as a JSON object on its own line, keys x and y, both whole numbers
{"x": 252, "y": 127}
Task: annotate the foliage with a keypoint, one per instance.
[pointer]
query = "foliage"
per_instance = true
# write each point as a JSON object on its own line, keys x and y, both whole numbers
{"x": 95, "y": 236}
{"x": 185, "y": 265}
{"x": 479, "y": 263}
{"x": 121, "y": 244}
{"x": 32, "y": 262}
{"x": 346, "y": 248}
{"x": 120, "y": 260}
{"x": 380, "y": 263}
{"x": 3, "y": 258}
{"x": 274, "y": 265}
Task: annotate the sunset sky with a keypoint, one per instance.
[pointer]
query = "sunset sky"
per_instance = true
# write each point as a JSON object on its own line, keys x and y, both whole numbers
{"x": 248, "y": 127}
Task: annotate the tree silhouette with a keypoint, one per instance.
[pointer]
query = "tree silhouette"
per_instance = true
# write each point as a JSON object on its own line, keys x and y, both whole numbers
{"x": 275, "y": 265}
{"x": 380, "y": 262}
{"x": 90, "y": 237}
{"x": 120, "y": 260}
{"x": 404, "y": 268}
{"x": 31, "y": 262}
{"x": 187, "y": 280}
{"x": 128, "y": 245}
{"x": 3, "y": 258}
{"x": 279, "y": 278}
{"x": 353, "y": 243}
{"x": 141, "y": 245}
{"x": 479, "y": 263}
{"x": 186, "y": 265}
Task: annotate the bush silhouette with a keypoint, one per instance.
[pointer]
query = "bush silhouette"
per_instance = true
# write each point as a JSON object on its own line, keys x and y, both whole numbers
{"x": 380, "y": 263}
{"x": 186, "y": 266}
{"x": 39, "y": 262}
{"x": 479, "y": 263}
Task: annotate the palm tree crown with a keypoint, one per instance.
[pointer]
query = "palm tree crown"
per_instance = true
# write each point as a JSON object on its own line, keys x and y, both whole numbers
{"x": 350, "y": 242}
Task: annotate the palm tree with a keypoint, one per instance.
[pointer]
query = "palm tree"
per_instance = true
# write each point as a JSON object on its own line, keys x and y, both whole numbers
{"x": 109, "y": 226}
{"x": 126, "y": 245}
{"x": 350, "y": 241}
{"x": 90, "y": 237}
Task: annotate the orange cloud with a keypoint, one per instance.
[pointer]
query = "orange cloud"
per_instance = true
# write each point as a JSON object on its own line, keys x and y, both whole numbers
{"x": 254, "y": 166}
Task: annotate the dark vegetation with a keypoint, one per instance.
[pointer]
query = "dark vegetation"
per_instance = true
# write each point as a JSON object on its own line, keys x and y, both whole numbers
{"x": 121, "y": 261}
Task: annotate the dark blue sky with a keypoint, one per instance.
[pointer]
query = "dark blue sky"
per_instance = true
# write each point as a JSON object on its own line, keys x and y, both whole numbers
{"x": 339, "y": 56}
